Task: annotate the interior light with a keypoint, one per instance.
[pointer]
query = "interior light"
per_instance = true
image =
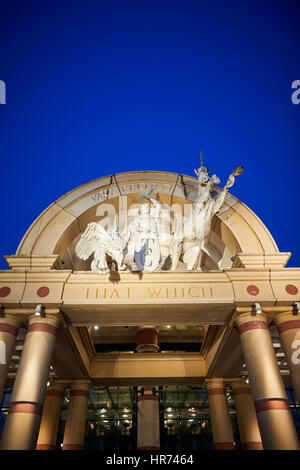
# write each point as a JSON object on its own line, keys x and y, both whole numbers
{"x": 96, "y": 327}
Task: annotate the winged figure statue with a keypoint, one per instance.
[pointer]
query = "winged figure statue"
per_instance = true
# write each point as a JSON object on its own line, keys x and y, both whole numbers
{"x": 95, "y": 239}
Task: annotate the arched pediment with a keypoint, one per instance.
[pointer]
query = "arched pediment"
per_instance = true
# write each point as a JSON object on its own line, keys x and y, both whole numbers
{"x": 234, "y": 230}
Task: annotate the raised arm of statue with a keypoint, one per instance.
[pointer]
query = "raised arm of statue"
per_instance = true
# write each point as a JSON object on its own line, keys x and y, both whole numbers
{"x": 157, "y": 207}
{"x": 230, "y": 182}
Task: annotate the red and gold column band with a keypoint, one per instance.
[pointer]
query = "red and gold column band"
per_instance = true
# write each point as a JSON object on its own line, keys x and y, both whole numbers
{"x": 288, "y": 325}
{"x": 148, "y": 397}
{"x": 25, "y": 407}
{"x": 54, "y": 393}
{"x": 268, "y": 404}
{"x": 224, "y": 446}
{"x": 42, "y": 327}
{"x": 45, "y": 447}
{"x": 253, "y": 325}
{"x": 241, "y": 391}
{"x": 252, "y": 446}
{"x": 79, "y": 393}
{"x": 6, "y": 328}
{"x": 72, "y": 447}
{"x": 216, "y": 391}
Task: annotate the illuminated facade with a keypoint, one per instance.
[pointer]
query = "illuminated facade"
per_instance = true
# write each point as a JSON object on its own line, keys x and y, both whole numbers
{"x": 197, "y": 349}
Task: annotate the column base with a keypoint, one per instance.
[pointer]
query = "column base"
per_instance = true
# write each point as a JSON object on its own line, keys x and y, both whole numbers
{"x": 224, "y": 446}
{"x": 252, "y": 446}
{"x": 72, "y": 447}
{"x": 45, "y": 447}
{"x": 148, "y": 448}
{"x": 147, "y": 348}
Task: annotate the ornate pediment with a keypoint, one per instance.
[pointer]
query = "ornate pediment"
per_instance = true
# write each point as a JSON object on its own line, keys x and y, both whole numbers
{"x": 158, "y": 236}
{"x": 200, "y": 226}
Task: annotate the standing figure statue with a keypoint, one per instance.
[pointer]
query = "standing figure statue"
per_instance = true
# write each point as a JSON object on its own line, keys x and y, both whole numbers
{"x": 144, "y": 229}
{"x": 187, "y": 246}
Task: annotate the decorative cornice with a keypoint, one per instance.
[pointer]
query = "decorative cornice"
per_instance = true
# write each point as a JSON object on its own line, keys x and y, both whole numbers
{"x": 30, "y": 262}
{"x": 260, "y": 260}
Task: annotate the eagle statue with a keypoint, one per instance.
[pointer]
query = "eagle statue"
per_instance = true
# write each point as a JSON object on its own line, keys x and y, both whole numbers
{"x": 95, "y": 239}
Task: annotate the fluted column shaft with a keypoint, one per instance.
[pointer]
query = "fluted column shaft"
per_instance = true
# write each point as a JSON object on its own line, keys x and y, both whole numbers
{"x": 9, "y": 327}
{"x": 246, "y": 416}
{"x": 219, "y": 415}
{"x": 50, "y": 417}
{"x": 148, "y": 425}
{"x": 76, "y": 417}
{"x": 288, "y": 327}
{"x": 274, "y": 418}
{"x": 148, "y": 436}
{"x": 25, "y": 410}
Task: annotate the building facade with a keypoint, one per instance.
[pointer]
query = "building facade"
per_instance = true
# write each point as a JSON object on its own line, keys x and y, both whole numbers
{"x": 150, "y": 310}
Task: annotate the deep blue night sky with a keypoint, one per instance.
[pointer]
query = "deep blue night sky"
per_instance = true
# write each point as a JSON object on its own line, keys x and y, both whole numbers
{"x": 101, "y": 87}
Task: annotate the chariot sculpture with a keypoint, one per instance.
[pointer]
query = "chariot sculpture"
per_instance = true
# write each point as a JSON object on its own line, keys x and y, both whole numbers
{"x": 186, "y": 245}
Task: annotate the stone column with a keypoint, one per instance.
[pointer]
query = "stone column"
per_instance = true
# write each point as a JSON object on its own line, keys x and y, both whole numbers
{"x": 146, "y": 339}
{"x": 148, "y": 429}
{"x": 288, "y": 326}
{"x": 25, "y": 410}
{"x": 50, "y": 417}
{"x": 246, "y": 416}
{"x": 76, "y": 417}
{"x": 272, "y": 409}
{"x": 148, "y": 434}
{"x": 219, "y": 415}
{"x": 9, "y": 327}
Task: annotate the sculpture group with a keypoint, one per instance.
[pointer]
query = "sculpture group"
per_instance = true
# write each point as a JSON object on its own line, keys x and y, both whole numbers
{"x": 186, "y": 245}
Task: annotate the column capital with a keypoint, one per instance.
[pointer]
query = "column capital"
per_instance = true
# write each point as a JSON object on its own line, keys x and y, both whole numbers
{"x": 56, "y": 389}
{"x": 46, "y": 324}
{"x": 250, "y": 321}
{"x": 215, "y": 383}
{"x": 147, "y": 327}
{"x": 83, "y": 385}
{"x": 10, "y": 324}
{"x": 287, "y": 316}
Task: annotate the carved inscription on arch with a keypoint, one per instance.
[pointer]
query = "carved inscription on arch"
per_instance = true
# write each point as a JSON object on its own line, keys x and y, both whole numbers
{"x": 130, "y": 188}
